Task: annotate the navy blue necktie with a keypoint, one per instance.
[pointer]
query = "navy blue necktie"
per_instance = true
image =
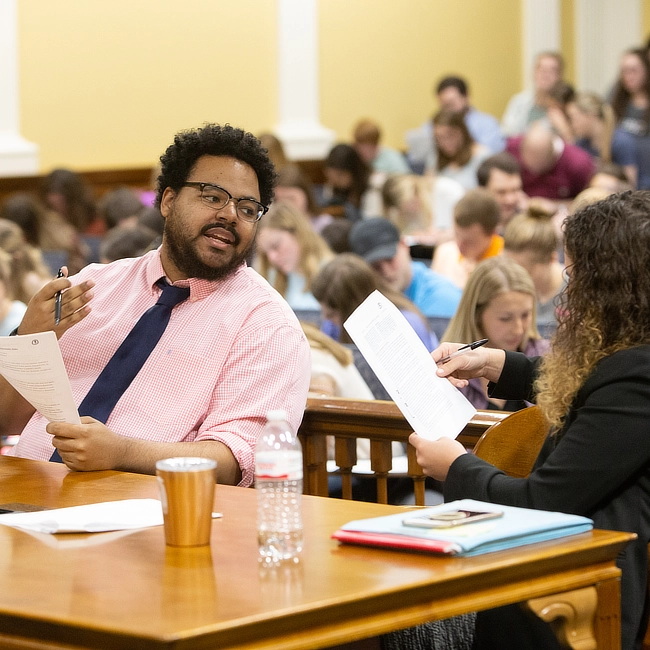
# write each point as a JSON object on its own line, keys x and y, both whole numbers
{"x": 129, "y": 358}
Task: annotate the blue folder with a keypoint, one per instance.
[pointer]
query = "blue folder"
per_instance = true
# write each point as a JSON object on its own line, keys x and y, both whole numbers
{"x": 517, "y": 527}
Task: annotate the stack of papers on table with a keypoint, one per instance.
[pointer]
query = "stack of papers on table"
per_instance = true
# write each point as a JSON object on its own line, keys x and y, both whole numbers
{"x": 129, "y": 514}
{"x": 517, "y": 527}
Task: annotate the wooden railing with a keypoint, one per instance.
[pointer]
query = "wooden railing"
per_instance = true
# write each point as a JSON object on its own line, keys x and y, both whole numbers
{"x": 379, "y": 421}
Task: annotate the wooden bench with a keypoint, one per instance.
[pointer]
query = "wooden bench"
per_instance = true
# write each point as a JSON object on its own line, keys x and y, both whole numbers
{"x": 379, "y": 421}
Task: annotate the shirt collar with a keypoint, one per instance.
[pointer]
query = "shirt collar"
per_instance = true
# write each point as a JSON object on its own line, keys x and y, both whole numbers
{"x": 199, "y": 288}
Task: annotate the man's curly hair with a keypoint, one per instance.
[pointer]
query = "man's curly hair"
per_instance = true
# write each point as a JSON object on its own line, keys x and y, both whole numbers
{"x": 214, "y": 140}
{"x": 605, "y": 307}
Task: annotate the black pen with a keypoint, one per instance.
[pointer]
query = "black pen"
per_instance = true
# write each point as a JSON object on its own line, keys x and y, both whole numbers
{"x": 462, "y": 350}
{"x": 57, "y": 301}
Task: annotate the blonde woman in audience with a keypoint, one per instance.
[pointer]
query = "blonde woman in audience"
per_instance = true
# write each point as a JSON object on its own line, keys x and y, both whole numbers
{"x": 498, "y": 304}
{"x": 28, "y": 271}
{"x": 532, "y": 241}
{"x": 458, "y": 155}
{"x": 11, "y": 311}
{"x": 422, "y": 207}
{"x": 290, "y": 253}
{"x": 345, "y": 282}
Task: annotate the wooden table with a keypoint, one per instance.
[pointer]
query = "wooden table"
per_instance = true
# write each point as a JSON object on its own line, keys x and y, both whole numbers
{"x": 128, "y": 590}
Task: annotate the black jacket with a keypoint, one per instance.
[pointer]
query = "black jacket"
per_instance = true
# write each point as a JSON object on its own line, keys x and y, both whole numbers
{"x": 598, "y": 465}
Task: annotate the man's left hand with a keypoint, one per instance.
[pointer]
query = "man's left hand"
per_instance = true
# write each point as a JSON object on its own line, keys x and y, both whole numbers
{"x": 436, "y": 456}
{"x": 88, "y": 446}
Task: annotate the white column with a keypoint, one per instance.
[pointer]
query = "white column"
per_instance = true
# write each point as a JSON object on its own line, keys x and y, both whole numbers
{"x": 299, "y": 129}
{"x": 541, "y": 32}
{"x": 604, "y": 29}
{"x": 17, "y": 156}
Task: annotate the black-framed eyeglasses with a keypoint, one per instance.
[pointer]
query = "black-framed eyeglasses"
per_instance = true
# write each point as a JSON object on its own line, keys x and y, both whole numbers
{"x": 218, "y": 198}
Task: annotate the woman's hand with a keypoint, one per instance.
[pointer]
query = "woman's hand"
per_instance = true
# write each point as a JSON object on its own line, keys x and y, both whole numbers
{"x": 481, "y": 362}
{"x": 436, "y": 456}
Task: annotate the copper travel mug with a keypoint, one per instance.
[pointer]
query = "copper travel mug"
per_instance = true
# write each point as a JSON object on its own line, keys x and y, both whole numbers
{"x": 187, "y": 495}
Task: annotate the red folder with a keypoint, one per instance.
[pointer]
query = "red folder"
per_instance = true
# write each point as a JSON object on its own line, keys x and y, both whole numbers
{"x": 389, "y": 540}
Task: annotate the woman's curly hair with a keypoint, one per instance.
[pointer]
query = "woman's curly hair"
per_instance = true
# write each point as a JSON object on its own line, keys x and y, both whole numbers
{"x": 605, "y": 306}
{"x": 214, "y": 140}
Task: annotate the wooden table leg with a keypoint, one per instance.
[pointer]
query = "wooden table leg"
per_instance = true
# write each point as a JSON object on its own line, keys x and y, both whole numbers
{"x": 571, "y": 615}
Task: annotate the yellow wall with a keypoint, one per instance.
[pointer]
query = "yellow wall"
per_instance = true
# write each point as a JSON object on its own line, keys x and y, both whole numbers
{"x": 106, "y": 83}
{"x": 383, "y": 64}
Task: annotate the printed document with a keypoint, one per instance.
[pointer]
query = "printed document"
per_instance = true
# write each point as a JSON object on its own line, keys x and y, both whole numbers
{"x": 33, "y": 365}
{"x": 432, "y": 406}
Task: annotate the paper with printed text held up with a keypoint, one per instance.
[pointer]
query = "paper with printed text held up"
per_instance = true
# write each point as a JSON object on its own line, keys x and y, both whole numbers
{"x": 33, "y": 365}
{"x": 432, "y": 406}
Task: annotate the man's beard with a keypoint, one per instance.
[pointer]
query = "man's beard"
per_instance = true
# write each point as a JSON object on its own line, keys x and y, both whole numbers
{"x": 183, "y": 253}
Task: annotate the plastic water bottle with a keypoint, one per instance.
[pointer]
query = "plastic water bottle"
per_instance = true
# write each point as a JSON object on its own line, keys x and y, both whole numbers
{"x": 278, "y": 481}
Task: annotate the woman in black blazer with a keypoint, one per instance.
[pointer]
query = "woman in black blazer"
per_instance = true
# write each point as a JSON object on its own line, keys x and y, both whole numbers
{"x": 594, "y": 389}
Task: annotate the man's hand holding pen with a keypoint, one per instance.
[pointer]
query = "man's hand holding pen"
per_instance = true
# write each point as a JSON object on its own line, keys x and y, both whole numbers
{"x": 42, "y": 309}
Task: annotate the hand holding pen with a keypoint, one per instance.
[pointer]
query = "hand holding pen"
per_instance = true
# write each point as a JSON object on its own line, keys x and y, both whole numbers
{"x": 57, "y": 301}
{"x": 460, "y": 363}
{"x": 462, "y": 350}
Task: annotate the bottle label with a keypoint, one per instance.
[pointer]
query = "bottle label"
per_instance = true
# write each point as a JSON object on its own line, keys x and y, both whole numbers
{"x": 278, "y": 465}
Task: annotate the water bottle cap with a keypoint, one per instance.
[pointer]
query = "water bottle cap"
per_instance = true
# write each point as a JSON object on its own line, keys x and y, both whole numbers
{"x": 276, "y": 415}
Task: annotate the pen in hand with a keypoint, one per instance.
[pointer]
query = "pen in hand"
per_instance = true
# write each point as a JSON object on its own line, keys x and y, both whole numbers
{"x": 462, "y": 350}
{"x": 57, "y": 301}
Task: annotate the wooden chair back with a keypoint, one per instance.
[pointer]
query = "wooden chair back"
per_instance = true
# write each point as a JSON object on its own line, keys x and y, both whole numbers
{"x": 514, "y": 443}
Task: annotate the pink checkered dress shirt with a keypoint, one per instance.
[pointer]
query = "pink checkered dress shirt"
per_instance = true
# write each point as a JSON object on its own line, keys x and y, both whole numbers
{"x": 232, "y": 352}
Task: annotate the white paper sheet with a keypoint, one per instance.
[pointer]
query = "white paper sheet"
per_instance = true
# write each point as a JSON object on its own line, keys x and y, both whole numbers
{"x": 93, "y": 518}
{"x": 33, "y": 365}
{"x": 432, "y": 406}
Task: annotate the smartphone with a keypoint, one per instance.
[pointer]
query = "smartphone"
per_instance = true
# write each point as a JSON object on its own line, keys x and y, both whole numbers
{"x": 450, "y": 518}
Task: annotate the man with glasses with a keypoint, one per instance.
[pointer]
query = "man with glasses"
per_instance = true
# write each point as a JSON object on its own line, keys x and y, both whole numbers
{"x": 230, "y": 351}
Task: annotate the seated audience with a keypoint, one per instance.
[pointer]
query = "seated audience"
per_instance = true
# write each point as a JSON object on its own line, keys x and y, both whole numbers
{"x": 346, "y": 182}
{"x": 529, "y": 106}
{"x": 123, "y": 242}
{"x": 593, "y": 127}
{"x": 631, "y": 104}
{"x": 457, "y": 156}
{"x": 46, "y": 230}
{"x": 610, "y": 177}
{"x": 337, "y": 235}
{"x": 28, "y": 271}
{"x": 333, "y": 373}
{"x": 119, "y": 207}
{"x": 593, "y": 390}
{"x": 498, "y": 304}
{"x": 476, "y": 218}
{"x": 379, "y": 243}
{"x": 559, "y": 97}
{"x": 367, "y": 136}
{"x": 275, "y": 150}
{"x": 344, "y": 283}
{"x": 290, "y": 254}
{"x": 550, "y": 167}
{"x": 68, "y": 194}
{"x": 293, "y": 186}
{"x": 500, "y": 175}
{"x": 422, "y": 207}
{"x": 532, "y": 241}
{"x": 11, "y": 311}
{"x": 453, "y": 95}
